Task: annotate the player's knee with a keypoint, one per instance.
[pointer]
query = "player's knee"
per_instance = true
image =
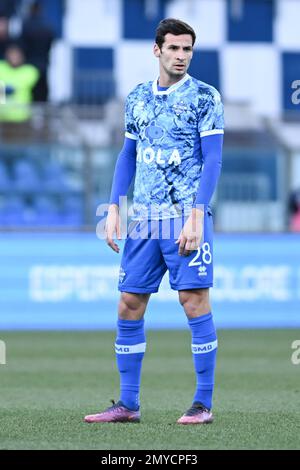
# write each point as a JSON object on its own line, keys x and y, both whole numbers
{"x": 192, "y": 310}
{"x": 195, "y": 304}
{"x": 132, "y": 306}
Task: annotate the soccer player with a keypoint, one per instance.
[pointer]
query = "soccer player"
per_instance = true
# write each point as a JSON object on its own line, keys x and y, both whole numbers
{"x": 173, "y": 146}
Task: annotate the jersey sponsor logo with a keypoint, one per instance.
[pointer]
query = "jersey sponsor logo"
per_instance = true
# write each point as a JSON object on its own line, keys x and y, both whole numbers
{"x": 149, "y": 155}
{"x": 204, "y": 348}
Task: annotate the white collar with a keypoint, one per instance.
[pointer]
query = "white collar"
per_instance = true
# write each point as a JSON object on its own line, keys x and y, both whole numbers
{"x": 171, "y": 88}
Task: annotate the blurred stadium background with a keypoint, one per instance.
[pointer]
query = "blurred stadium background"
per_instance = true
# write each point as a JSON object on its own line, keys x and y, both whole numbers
{"x": 57, "y": 154}
{"x": 57, "y": 160}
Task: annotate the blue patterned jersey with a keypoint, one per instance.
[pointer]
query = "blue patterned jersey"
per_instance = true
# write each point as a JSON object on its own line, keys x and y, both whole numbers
{"x": 168, "y": 126}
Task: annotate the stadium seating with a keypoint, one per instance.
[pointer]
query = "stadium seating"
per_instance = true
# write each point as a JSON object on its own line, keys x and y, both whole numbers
{"x": 47, "y": 211}
{"x": 26, "y": 177}
{"x": 13, "y": 211}
{"x": 54, "y": 179}
{"x": 73, "y": 210}
{"x": 4, "y": 178}
{"x": 37, "y": 194}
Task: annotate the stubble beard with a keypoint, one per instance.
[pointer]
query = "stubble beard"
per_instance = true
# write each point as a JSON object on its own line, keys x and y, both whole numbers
{"x": 173, "y": 74}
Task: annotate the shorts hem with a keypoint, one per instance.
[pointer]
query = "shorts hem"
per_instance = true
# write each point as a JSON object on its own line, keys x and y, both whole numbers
{"x": 190, "y": 286}
{"x": 138, "y": 290}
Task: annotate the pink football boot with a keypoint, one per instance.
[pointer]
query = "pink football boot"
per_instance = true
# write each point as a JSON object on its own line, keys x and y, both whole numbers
{"x": 197, "y": 414}
{"x": 117, "y": 413}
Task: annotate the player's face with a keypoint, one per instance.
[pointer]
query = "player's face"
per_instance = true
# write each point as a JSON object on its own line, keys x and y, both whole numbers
{"x": 175, "y": 55}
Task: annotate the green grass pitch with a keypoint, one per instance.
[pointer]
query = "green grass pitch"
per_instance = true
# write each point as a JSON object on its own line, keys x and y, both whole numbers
{"x": 52, "y": 379}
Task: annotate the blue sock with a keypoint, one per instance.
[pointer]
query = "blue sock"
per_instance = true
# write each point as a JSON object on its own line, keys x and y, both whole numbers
{"x": 130, "y": 348}
{"x": 204, "y": 349}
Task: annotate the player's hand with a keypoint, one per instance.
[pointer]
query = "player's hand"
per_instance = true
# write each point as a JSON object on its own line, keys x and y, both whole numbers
{"x": 190, "y": 236}
{"x": 112, "y": 227}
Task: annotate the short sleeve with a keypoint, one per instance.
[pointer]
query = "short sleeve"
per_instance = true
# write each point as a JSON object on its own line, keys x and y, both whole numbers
{"x": 131, "y": 130}
{"x": 211, "y": 116}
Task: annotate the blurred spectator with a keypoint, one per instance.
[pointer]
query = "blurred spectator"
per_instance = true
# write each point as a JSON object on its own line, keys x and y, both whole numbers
{"x": 19, "y": 79}
{"x": 295, "y": 211}
{"x": 37, "y": 37}
{"x": 4, "y": 36}
{"x": 8, "y": 8}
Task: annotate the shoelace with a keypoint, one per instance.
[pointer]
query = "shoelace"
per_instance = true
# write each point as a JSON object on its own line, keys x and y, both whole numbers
{"x": 114, "y": 405}
{"x": 195, "y": 409}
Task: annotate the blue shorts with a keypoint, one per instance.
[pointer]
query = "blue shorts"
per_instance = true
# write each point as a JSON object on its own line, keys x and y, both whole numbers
{"x": 150, "y": 251}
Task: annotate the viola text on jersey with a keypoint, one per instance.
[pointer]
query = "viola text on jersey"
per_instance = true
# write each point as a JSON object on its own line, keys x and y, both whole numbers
{"x": 149, "y": 155}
